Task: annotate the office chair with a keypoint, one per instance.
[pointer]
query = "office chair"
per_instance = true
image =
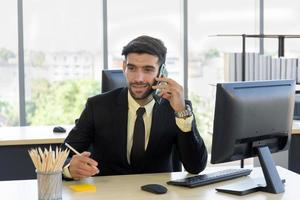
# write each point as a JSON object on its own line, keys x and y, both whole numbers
{"x": 297, "y": 106}
{"x": 113, "y": 79}
{"x": 294, "y": 158}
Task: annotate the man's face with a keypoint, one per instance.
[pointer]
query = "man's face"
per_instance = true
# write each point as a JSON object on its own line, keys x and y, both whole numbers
{"x": 140, "y": 71}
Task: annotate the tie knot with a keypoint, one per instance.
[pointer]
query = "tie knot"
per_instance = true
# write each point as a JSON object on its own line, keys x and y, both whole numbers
{"x": 140, "y": 112}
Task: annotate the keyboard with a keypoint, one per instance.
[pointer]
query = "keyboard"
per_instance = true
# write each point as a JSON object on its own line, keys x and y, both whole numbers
{"x": 209, "y": 178}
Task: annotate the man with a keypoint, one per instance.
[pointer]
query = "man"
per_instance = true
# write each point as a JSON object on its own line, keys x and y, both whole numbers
{"x": 124, "y": 142}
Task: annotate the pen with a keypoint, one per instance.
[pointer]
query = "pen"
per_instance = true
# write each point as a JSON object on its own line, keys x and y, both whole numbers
{"x": 76, "y": 152}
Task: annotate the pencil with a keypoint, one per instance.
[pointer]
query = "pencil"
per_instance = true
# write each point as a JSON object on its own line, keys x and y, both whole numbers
{"x": 72, "y": 149}
{"x": 77, "y": 153}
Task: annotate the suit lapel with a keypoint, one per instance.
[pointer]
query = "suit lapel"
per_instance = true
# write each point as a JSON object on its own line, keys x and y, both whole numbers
{"x": 120, "y": 125}
{"x": 156, "y": 127}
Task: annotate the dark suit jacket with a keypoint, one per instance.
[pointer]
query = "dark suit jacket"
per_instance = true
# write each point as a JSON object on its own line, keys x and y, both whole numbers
{"x": 103, "y": 125}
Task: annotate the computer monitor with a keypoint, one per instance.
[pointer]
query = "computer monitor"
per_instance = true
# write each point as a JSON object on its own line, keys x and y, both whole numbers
{"x": 253, "y": 119}
{"x": 112, "y": 79}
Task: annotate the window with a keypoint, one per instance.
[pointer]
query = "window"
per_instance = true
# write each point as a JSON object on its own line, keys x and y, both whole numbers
{"x": 130, "y": 19}
{"x": 56, "y": 32}
{"x": 9, "y": 81}
{"x": 205, "y": 63}
{"x": 282, "y": 18}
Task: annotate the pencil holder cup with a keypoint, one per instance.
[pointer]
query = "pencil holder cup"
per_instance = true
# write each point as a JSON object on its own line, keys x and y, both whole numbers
{"x": 49, "y": 185}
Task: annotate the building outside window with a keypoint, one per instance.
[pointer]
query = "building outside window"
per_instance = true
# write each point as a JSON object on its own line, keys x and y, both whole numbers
{"x": 62, "y": 44}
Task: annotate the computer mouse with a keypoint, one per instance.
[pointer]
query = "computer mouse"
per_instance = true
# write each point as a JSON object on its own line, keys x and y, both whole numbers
{"x": 59, "y": 129}
{"x": 154, "y": 188}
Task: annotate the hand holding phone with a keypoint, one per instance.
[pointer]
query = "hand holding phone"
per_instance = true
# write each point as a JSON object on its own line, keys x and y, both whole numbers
{"x": 167, "y": 88}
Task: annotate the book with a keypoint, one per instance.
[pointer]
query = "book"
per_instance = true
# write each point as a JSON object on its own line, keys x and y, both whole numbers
{"x": 238, "y": 67}
{"x": 283, "y": 68}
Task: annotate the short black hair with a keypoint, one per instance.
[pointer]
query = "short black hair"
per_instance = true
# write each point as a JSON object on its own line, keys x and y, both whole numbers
{"x": 146, "y": 44}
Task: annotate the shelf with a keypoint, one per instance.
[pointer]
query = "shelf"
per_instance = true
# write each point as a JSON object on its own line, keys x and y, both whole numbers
{"x": 280, "y": 38}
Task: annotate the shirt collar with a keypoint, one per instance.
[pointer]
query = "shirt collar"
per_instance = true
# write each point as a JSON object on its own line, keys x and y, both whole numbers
{"x": 133, "y": 105}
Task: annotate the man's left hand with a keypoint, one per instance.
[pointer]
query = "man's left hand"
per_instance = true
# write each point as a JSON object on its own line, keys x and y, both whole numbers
{"x": 172, "y": 91}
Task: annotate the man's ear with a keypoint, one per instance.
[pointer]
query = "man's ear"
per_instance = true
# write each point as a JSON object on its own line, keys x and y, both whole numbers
{"x": 124, "y": 65}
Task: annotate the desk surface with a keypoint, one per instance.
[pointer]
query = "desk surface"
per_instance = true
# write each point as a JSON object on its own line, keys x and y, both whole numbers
{"x": 128, "y": 187}
{"x": 31, "y": 135}
{"x": 296, "y": 127}
{"x": 27, "y": 135}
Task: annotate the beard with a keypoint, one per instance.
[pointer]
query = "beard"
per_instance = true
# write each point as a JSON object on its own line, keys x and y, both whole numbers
{"x": 140, "y": 90}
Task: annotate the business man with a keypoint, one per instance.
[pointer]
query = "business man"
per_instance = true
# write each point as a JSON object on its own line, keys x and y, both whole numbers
{"x": 131, "y": 132}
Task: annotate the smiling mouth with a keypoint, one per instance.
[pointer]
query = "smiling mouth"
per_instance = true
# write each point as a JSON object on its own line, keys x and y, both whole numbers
{"x": 139, "y": 86}
{"x": 139, "y": 89}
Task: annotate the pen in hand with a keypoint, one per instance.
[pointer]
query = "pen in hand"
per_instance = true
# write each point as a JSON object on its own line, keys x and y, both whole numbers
{"x": 79, "y": 154}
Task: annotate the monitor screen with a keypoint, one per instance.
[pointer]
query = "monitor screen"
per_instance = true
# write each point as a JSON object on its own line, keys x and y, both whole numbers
{"x": 251, "y": 116}
{"x": 112, "y": 79}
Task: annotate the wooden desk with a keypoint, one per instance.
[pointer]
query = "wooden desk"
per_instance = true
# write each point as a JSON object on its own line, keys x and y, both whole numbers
{"x": 128, "y": 187}
{"x": 296, "y": 127}
{"x": 26, "y": 135}
{"x": 15, "y": 143}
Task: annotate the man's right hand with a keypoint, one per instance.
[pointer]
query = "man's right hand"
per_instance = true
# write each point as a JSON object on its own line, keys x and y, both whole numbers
{"x": 82, "y": 166}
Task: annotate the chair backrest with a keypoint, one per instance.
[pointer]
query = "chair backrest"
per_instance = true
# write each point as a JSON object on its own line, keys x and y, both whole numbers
{"x": 297, "y": 106}
{"x": 112, "y": 79}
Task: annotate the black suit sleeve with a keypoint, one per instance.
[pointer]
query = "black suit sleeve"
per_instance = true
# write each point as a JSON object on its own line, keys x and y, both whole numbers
{"x": 192, "y": 150}
{"x": 80, "y": 137}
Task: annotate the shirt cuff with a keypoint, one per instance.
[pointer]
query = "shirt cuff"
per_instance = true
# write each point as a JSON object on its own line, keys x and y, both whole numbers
{"x": 66, "y": 171}
{"x": 184, "y": 124}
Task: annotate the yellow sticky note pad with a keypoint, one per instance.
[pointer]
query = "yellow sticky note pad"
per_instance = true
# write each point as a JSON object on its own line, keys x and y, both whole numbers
{"x": 83, "y": 188}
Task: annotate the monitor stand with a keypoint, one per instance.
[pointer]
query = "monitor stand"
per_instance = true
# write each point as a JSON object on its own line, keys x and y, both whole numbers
{"x": 270, "y": 183}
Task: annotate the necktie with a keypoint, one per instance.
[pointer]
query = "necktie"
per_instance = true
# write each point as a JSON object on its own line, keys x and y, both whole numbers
{"x": 138, "y": 143}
